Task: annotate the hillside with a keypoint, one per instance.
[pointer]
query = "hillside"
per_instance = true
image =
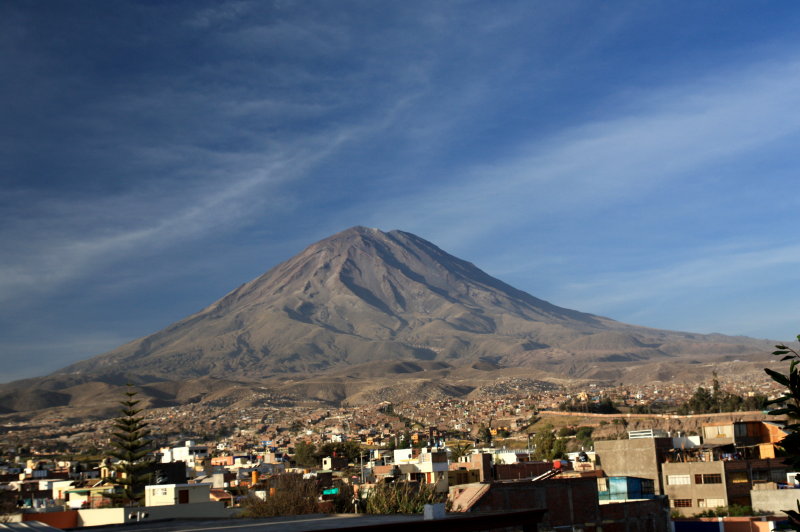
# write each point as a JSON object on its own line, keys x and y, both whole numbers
{"x": 366, "y": 314}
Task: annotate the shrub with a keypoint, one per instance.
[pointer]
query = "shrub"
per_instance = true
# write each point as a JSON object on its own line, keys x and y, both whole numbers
{"x": 293, "y": 495}
{"x": 565, "y": 432}
{"x": 401, "y": 498}
{"x": 734, "y": 510}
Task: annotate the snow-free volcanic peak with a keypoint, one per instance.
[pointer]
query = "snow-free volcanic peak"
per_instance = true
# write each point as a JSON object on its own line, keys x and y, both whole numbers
{"x": 368, "y": 304}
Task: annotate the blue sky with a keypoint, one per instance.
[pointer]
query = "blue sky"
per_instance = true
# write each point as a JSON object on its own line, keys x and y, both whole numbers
{"x": 633, "y": 159}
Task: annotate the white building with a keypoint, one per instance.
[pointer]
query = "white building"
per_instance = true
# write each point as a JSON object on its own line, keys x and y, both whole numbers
{"x": 423, "y": 466}
{"x": 171, "y": 494}
{"x": 190, "y": 453}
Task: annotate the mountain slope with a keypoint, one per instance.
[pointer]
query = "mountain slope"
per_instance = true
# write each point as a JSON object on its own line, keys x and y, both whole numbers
{"x": 358, "y": 296}
{"x": 364, "y": 301}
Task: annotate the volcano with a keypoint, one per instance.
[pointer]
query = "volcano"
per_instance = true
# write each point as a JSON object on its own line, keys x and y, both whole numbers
{"x": 365, "y": 305}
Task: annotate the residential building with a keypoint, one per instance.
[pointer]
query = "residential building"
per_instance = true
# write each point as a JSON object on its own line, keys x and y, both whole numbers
{"x": 417, "y": 465}
{"x": 192, "y": 454}
{"x": 171, "y": 494}
{"x": 625, "y": 488}
{"x": 774, "y": 498}
{"x": 638, "y": 457}
{"x": 334, "y": 463}
{"x": 572, "y": 503}
{"x": 696, "y": 486}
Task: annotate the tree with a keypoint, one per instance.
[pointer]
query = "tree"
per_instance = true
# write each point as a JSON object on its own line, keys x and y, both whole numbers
{"x": 604, "y": 406}
{"x": 485, "y": 435}
{"x": 584, "y": 436}
{"x": 547, "y": 446}
{"x": 559, "y": 449}
{"x": 130, "y": 447}
{"x": 701, "y": 402}
{"x": 305, "y": 454}
{"x": 350, "y": 449}
{"x": 401, "y": 498}
{"x": 459, "y": 451}
{"x": 789, "y": 405}
{"x": 565, "y": 432}
{"x": 292, "y": 495}
{"x": 705, "y": 401}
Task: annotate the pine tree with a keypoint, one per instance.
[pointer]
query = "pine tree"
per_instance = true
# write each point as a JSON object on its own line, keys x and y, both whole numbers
{"x": 131, "y": 447}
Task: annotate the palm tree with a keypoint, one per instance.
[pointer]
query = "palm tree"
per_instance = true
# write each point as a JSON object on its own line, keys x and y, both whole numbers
{"x": 459, "y": 451}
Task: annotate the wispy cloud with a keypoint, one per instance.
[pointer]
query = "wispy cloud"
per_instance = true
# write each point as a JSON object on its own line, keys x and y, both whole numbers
{"x": 482, "y": 129}
{"x": 65, "y": 239}
{"x": 663, "y": 136}
{"x": 716, "y": 268}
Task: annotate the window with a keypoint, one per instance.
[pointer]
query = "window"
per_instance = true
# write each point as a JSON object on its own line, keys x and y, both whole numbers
{"x": 760, "y": 475}
{"x": 648, "y": 487}
{"x": 602, "y": 484}
{"x": 710, "y": 503}
{"x": 778, "y": 475}
{"x": 708, "y": 478}
{"x": 681, "y": 503}
{"x": 738, "y": 477}
{"x": 676, "y": 480}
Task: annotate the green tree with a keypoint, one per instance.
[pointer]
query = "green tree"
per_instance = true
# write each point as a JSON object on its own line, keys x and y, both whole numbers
{"x": 305, "y": 454}
{"x": 485, "y": 435}
{"x": 459, "y": 451}
{"x": 544, "y": 442}
{"x": 131, "y": 447}
{"x": 789, "y": 405}
{"x": 292, "y": 495}
{"x": 584, "y": 436}
{"x": 701, "y": 402}
{"x": 604, "y": 406}
{"x": 565, "y": 432}
{"x": 401, "y": 498}
{"x": 559, "y": 449}
{"x": 350, "y": 449}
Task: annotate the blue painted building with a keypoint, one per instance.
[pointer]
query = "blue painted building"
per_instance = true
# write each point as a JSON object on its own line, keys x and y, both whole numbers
{"x": 625, "y": 488}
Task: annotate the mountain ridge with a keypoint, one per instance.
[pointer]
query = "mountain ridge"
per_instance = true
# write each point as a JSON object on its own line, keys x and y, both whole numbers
{"x": 364, "y": 301}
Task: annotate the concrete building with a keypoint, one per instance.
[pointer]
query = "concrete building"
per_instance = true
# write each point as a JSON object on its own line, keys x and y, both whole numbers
{"x": 742, "y": 434}
{"x": 769, "y": 498}
{"x": 639, "y": 457}
{"x": 193, "y": 455}
{"x": 571, "y": 503}
{"x": 170, "y": 494}
{"x": 625, "y": 488}
{"x": 417, "y": 465}
{"x": 334, "y": 463}
{"x": 696, "y": 486}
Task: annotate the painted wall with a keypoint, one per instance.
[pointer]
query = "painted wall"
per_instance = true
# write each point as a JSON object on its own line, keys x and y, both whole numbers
{"x": 113, "y": 516}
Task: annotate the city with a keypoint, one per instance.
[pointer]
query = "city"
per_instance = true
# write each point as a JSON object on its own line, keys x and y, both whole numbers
{"x": 465, "y": 450}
